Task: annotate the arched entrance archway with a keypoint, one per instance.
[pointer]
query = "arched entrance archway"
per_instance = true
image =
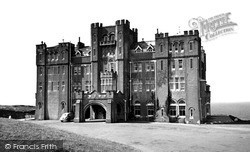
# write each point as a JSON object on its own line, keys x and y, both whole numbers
{"x": 95, "y": 112}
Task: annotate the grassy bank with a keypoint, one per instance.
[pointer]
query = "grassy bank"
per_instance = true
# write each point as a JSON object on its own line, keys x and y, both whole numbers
{"x": 20, "y": 130}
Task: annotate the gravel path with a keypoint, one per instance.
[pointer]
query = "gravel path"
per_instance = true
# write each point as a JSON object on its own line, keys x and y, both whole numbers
{"x": 164, "y": 136}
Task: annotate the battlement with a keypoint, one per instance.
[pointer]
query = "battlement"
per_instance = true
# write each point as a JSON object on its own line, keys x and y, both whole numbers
{"x": 161, "y": 35}
{"x": 96, "y": 25}
{"x": 191, "y": 32}
{"x": 122, "y": 22}
{"x": 135, "y": 30}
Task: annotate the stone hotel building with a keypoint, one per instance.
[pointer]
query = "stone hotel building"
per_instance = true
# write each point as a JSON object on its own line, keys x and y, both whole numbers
{"x": 119, "y": 78}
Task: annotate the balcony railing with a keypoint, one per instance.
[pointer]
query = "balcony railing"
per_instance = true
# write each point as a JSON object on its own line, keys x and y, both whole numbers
{"x": 103, "y": 43}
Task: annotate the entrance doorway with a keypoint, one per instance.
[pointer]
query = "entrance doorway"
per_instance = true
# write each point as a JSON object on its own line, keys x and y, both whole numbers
{"x": 95, "y": 113}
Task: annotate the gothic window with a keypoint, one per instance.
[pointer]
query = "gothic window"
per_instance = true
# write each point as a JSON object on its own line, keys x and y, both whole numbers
{"x": 150, "y": 110}
{"x": 63, "y": 104}
{"x": 172, "y": 110}
{"x": 182, "y": 111}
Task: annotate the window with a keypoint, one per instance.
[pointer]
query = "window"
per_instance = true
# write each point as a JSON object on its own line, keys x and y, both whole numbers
{"x": 135, "y": 67}
{"x": 152, "y": 66}
{"x": 63, "y": 86}
{"x": 120, "y": 50}
{"x": 39, "y": 105}
{"x": 172, "y": 110}
{"x": 79, "y": 70}
{"x": 55, "y": 70}
{"x": 191, "y": 63}
{"x": 147, "y": 66}
{"x": 120, "y": 35}
{"x": 176, "y": 46}
{"x": 40, "y": 86}
{"x": 190, "y": 46}
{"x": 63, "y": 55}
{"x": 182, "y": 47}
{"x": 52, "y": 86}
{"x": 182, "y": 111}
{"x": 180, "y": 64}
{"x": 137, "y": 108}
{"x": 171, "y": 83}
{"x": 94, "y": 38}
{"x": 161, "y": 47}
{"x": 48, "y": 57}
{"x": 40, "y": 57}
{"x": 58, "y": 70}
{"x": 94, "y": 52}
{"x": 105, "y": 38}
{"x": 75, "y": 70}
{"x": 182, "y": 83}
{"x": 161, "y": 64}
{"x": 140, "y": 86}
{"x": 173, "y": 64}
{"x": 191, "y": 113}
{"x": 112, "y": 37}
{"x": 170, "y": 46}
{"x": 41, "y": 71}
{"x": 63, "y": 69}
{"x": 150, "y": 109}
{"x": 63, "y": 104}
{"x": 176, "y": 83}
{"x": 139, "y": 67}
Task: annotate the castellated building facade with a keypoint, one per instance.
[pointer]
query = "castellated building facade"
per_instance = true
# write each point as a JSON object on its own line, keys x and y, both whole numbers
{"x": 119, "y": 78}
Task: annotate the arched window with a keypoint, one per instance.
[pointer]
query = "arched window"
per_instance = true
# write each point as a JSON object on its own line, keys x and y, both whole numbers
{"x": 150, "y": 109}
{"x": 39, "y": 105}
{"x": 105, "y": 38}
{"x": 63, "y": 104}
{"x": 94, "y": 37}
{"x": 181, "y": 46}
{"x": 191, "y": 45}
{"x": 182, "y": 107}
{"x": 170, "y": 47}
{"x": 191, "y": 112}
{"x": 112, "y": 37}
{"x": 120, "y": 35}
{"x": 176, "y": 46}
{"x": 161, "y": 48}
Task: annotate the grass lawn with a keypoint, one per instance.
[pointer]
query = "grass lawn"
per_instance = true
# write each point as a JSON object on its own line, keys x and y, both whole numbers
{"x": 20, "y": 130}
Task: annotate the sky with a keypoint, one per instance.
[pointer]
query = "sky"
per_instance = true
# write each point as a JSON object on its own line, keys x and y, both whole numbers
{"x": 23, "y": 24}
